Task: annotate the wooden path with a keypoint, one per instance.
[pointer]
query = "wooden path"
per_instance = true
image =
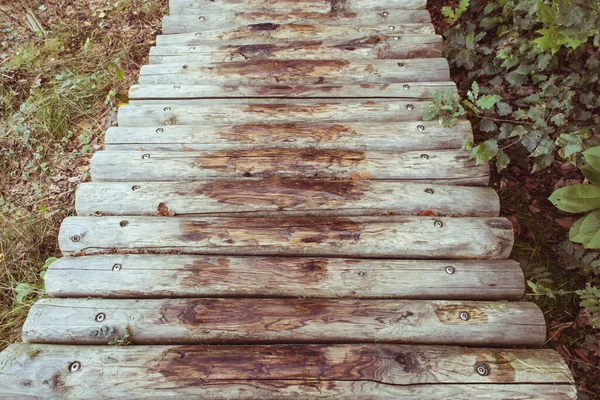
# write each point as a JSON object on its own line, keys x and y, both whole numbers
{"x": 272, "y": 219}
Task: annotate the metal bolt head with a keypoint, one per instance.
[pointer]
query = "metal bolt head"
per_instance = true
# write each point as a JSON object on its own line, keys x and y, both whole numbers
{"x": 160, "y": 130}
{"x": 117, "y": 267}
{"x": 450, "y": 270}
{"x": 74, "y": 366}
{"x": 202, "y": 18}
{"x": 192, "y": 48}
{"x": 392, "y": 27}
{"x": 135, "y": 188}
{"x": 425, "y": 156}
{"x": 168, "y": 122}
{"x": 385, "y": 13}
{"x": 406, "y": 87}
{"x": 438, "y": 224}
{"x": 185, "y": 67}
{"x": 429, "y": 191}
{"x": 75, "y": 238}
{"x": 482, "y": 369}
{"x": 396, "y": 38}
{"x": 464, "y": 316}
{"x": 100, "y": 317}
{"x": 198, "y": 34}
{"x": 421, "y": 128}
{"x": 401, "y": 64}
{"x": 124, "y": 224}
{"x": 167, "y": 109}
{"x": 145, "y": 156}
{"x": 176, "y": 87}
{"x": 409, "y": 107}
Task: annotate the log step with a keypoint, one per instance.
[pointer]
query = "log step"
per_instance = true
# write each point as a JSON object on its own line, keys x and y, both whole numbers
{"x": 447, "y": 166}
{"x": 287, "y": 197}
{"x": 388, "y": 136}
{"x": 268, "y": 111}
{"x": 270, "y": 321}
{"x": 282, "y": 372}
{"x": 370, "y": 47}
{"x": 299, "y": 72}
{"x": 212, "y": 19}
{"x": 363, "y": 237}
{"x": 334, "y": 9}
{"x": 151, "y": 276}
{"x": 281, "y": 33}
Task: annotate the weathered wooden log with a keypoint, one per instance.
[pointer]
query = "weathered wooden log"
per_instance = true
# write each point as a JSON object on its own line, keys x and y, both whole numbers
{"x": 376, "y": 47}
{"x": 267, "y": 111}
{"x": 421, "y": 90}
{"x": 282, "y": 372}
{"x": 278, "y": 73}
{"x": 362, "y": 237}
{"x": 389, "y": 136}
{"x": 447, "y": 166}
{"x": 151, "y": 276}
{"x": 280, "y": 33}
{"x": 240, "y": 320}
{"x": 289, "y": 197}
{"x": 333, "y": 8}
{"x": 215, "y": 19}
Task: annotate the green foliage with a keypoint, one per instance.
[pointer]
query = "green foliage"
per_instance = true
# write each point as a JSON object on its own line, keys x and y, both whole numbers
{"x": 583, "y": 198}
{"x": 446, "y": 107}
{"x": 537, "y": 67}
{"x": 590, "y": 299}
{"x": 451, "y": 15}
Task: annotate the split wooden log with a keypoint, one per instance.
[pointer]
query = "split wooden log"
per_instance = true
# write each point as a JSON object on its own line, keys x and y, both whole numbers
{"x": 282, "y": 372}
{"x": 277, "y": 73}
{"x": 151, "y": 276}
{"x": 268, "y": 111}
{"x": 421, "y": 90}
{"x": 334, "y": 8}
{"x": 245, "y": 321}
{"x": 362, "y": 237}
{"x": 375, "y": 47}
{"x": 389, "y": 136}
{"x": 215, "y": 19}
{"x": 281, "y": 33}
{"x": 289, "y": 197}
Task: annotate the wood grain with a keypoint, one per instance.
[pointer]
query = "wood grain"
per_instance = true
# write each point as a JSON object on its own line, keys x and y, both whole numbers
{"x": 215, "y": 19}
{"x": 289, "y": 197}
{"x": 275, "y": 73}
{"x": 448, "y": 166}
{"x": 280, "y": 33}
{"x": 332, "y": 8}
{"x": 282, "y": 372}
{"x": 253, "y": 321}
{"x": 370, "y": 47}
{"x": 151, "y": 276}
{"x": 404, "y": 136}
{"x": 363, "y": 237}
{"x": 268, "y": 111}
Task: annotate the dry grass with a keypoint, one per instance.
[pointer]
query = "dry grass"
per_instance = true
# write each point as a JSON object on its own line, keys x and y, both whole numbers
{"x": 58, "y": 93}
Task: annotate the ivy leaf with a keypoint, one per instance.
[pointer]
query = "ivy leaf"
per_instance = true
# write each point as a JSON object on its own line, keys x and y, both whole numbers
{"x": 543, "y": 61}
{"x": 576, "y": 198}
{"x": 559, "y": 119}
{"x": 519, "y": 131}
{"x": 542, "y": 162}
{"x": 485, "y": 151}
{"x": 545, "y": 13}
{"x": 551, "y": 39}
{"x": 502, "y": 160}
{"x": 504, "y": 109}
{"x": 488, "y": 101}
{"x": 487, "y": 125}
{"x": 467, "y": 145}
{"x": 23, "y": 290}
{"x": 430, "y": 114}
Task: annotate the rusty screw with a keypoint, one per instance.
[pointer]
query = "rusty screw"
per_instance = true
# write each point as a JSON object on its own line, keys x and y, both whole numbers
{"x": 464, "y": 316}
{"x": 438, "y": 224}
{"x": 74, "y": 366}
{"x": 117, "y": 267}
{"x": 100, "y": 317}
{"x": 482, "y": 369}
{"x": 450, "y": 270}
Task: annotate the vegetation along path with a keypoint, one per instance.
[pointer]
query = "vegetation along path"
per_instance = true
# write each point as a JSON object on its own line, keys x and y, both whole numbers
{"x": 273, "y": 219}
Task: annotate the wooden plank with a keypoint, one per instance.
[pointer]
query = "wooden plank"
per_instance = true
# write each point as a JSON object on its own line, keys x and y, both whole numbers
{"x": 441, "y": 166}
{"x": 375, "y": 47}
{"x": 151, "y": 276}
{"x": 273, "y": 33}
{"x": 362, "y": 237}
{"x": 298, "y": 72}
{"x": 215, "y": 19}
{"x": 282, "y": 372}
{"x": 421, "y": 90}
{"x": 333, "y": 8}
{"x": 389, "y": 136}
{"x": 267, "y": 111}
{"x": 253, "y": 321}
{"x": 288, "y": 197}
